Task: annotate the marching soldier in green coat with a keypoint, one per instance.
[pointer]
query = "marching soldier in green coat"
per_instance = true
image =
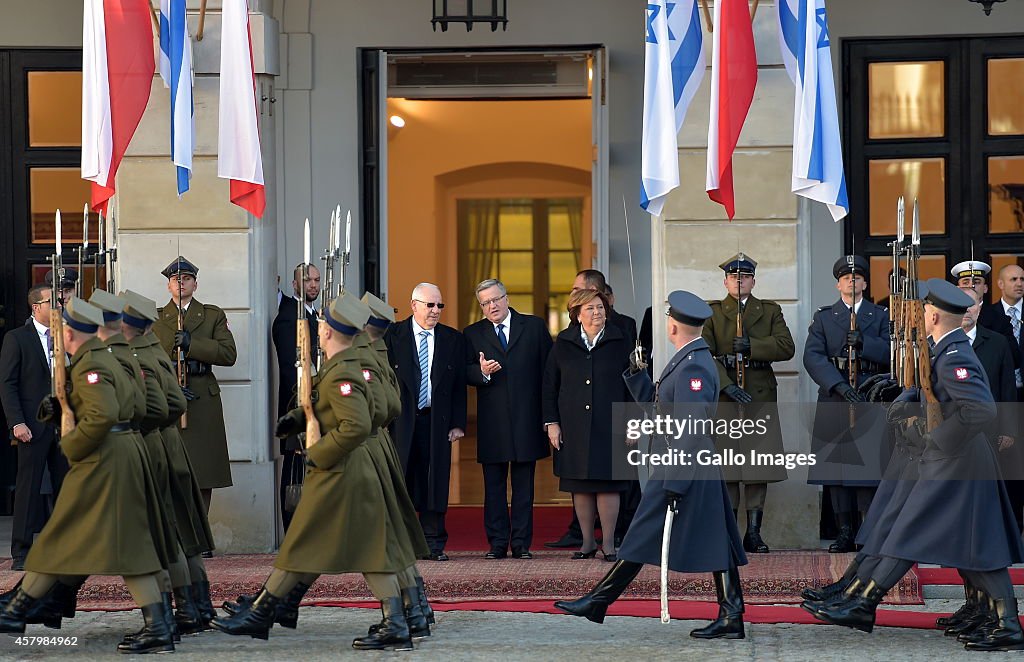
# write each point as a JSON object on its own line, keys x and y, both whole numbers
{"x": 205, "y": 340}
{"x": 193, "y": 528}
{"x": 175, "y": 579}
{"x": 343, "y": 521}
{"x": 387, "y": 404}
{"x": 100, "y": 523}
{"x": 765, "y": 339}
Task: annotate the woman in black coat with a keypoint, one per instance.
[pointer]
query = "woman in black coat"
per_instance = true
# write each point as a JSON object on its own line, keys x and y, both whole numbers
{"x": 582, "y": 379}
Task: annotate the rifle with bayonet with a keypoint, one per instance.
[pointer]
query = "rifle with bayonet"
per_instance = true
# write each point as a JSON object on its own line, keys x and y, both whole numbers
{"x": 852, "y": 358}
{"x": 916, "y": 365}
{"x": 79, "y": 282}
{"x": 181, "y": 364}
{"x": 347, "y": 254}
{"x": 304, "y": 355}
{"x": 59, "y": 373}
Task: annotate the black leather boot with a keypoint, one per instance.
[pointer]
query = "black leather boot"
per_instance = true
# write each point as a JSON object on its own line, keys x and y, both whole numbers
{"x": 155, "y": 636}
{"x": 1006, "y": 635}
{"x": 287, "y": 610}
{"x": 965, "y": 610}
{"x": 201, "y": 591}
{"x": 16, "y": 611}
{"x": 593, "y": 605}
{"x": 729, "y": 624}
{"x": 979, "y": 627}
{"x": 829, "y": 591}
{"x": 752, "y": 543}
{"x": 981, "y": 615}
{"x": 255, "y": 621}
{"x": 414, "y": 616}
{"x": 393, "y": 633}
{"x": 855, "y": 587}
{"x": 844, "y": 541}
{"x": 168, "y": 614}
{"x": 6, "y": 597}
{"x": 187, "y": 615}
{"x": 428, "y": 611}
{"x": 858, "y": 613}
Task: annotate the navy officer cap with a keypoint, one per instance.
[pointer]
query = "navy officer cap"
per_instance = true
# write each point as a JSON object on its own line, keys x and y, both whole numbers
{"x": 739, "y": 264}
{"x": 850, "y": 264}
{"x": 946, "y": 296}
{"x": 687, "y": 308}
{"x": 180, "y": 266}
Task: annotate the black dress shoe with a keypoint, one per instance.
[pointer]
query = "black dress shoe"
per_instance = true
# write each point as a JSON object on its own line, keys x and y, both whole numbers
{"x": 496, "y": 554}
{"x": 208, "y": 554}
{"x": 568, "y": 541}
{"x": 17, "y": 564}
{"x": 439, "y": 556}
{"x": 523, "y": 554}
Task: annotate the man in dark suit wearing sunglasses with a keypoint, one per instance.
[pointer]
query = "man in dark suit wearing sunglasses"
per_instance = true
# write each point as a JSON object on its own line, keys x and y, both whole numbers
{"x": 430, "y": 361}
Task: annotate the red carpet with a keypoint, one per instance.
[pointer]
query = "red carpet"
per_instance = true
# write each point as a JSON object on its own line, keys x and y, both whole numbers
{"x": 687, "y": 611}
{"x": 949, "y": 576}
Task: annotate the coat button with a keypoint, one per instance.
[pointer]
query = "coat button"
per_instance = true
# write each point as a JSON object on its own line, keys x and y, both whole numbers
{"x": 587, "y": 407}
{"x": 588, "y": 381}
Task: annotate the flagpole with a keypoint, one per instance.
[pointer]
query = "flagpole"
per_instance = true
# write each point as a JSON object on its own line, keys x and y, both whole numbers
{"x": 708, "y": 21}
{"x": 202, "y": 20}
{"x": 753, "y": 10}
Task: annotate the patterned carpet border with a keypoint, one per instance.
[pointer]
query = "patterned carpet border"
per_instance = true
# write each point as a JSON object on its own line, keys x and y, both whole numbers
{"x": 775, "y": 578}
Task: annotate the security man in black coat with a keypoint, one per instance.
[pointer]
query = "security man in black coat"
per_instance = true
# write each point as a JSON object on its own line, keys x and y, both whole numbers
{"x": 704, "y": 537}
{"x": 958, "y": 477}
{"x": 847, "y": 455}
{"x": 283, "y": 334}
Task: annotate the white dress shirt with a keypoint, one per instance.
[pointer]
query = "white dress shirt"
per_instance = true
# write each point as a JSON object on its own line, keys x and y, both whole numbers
{"x": 41, "y": 332}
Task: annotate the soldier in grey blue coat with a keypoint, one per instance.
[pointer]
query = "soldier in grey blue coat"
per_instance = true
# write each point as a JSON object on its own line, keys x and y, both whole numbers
{"x": 704, "y": 536}
{"x": 849, "y": 456}
{"x": 957, "y": 476}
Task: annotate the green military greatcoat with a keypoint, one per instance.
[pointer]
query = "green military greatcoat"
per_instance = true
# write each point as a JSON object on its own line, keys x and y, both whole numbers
{"x": 212, "y": 344}
{"x": 387, "y": 405}
{"x": 342, "y": 521}
{"x": 190, "y": 513}
{"x": 101, "y": 520}
{"x": 770, "y": 340}
{"x": 151, "y": 409}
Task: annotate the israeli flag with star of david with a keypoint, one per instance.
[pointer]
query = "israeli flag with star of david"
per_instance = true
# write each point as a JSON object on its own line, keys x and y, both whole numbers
{"x": 673, "y": 69}
{"x": 817, "y": 149}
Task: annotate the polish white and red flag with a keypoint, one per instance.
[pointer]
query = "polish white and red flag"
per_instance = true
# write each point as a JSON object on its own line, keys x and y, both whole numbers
{"x": 733, "y": 79}
{"x": 239, "y": 158}
{"x": 117, "y": 76}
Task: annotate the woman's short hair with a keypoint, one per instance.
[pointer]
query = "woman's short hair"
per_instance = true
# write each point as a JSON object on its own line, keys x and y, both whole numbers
{"x": 580, "y": 298}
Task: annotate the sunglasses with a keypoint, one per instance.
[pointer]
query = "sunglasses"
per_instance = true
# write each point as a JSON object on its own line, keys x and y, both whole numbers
{"x": 431, "y": 304}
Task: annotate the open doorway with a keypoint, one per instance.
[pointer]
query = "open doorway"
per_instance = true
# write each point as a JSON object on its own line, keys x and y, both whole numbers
{"x": 490, "y": 170}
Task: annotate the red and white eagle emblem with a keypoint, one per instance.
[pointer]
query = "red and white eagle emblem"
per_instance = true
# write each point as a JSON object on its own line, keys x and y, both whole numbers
{"x": 962, "y": 374}
{"x": 367, "y": 375}
{"x": 93, "y": 378}
{"x": 345, "y": 388}
{"x": 696, "y": 384}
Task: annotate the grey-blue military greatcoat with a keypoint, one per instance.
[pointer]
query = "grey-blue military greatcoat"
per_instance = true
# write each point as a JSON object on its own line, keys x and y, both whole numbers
{"x": 846, "y": 456}
{"x": 704, "y": 533}
{"x": 957, "y": 513}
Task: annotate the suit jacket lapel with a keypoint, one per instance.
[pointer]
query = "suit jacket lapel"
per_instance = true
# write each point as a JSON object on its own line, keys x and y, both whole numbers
{"x": 37, "y": 347}
{"x": 441, "y": 351}
{"x": 515, "y": 329}
{"x": 194, "y": 315}
{"x": 752, "y": 312}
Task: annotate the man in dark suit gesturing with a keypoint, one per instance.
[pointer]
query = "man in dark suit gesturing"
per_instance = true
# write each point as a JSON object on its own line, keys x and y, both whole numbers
{"x": 283, "y": 332}
{"x": 511, "y": 350}
{"x": 430, "y": 361}
{"x": 24, "y": 382}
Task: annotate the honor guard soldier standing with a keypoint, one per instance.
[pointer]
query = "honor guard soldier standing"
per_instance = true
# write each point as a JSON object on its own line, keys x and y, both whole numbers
{"x": 201, "y": 332}
{"x": 840, "y": 355}
{"x": 703, "y": 537}
{"x": 765, "y": 338}
{"x": 100, "y": 524}
{"x": 959, "y": 477}
{"x": 343, "y": 521}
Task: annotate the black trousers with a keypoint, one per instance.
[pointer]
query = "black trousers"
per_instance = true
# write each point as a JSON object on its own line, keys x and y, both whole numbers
{"x": 1015, "y": 490}
{"x": 502, "y": 529}
{"x": 32, "y": 509}
{"x": 417, "y": 480}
